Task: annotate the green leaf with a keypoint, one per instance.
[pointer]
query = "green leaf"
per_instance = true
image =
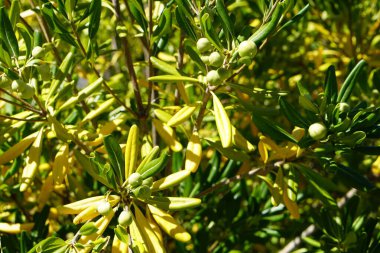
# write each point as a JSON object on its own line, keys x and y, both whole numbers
{"x": 122, "y": 234}
{"x": 116, "y": 157}
{"x": 296, "y": 18}
{"x": 320, "y": 184}
{"x": 96, "y": 11}
{"x": 137, "y": 11}
{"x": 88, "y": 228}
{"x": 164, "y": 24}
{"x": 221, "y": 9}
{"x": 271, "y": 129}
{"x": 292, "y": 114}
{"x": 154, "y": 166}
{"x": 96, "y": 169}
{"x": 352, "y": 177}
{"x": 266, "y": 29}
{"x": 331, "y": 86}
{"x": 208, "y": 29}
{"x": 27, "y": 36}
{"x": 185, "y": 23}
{"x": 170, "y": 78}
{"x": 50, "y": 245}
{"x": 349, "y": 83}
{"x": 229, "y": 152}
{"x": 194, "y": 56}
{"x": 7, "y": 34}
{"x": 163, "y": 66}
{"x": 14, "y": 13}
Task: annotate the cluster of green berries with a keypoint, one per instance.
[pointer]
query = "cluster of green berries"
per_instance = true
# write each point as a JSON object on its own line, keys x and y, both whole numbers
{"x": 246, "y": 51}
{"x": 139, "y": 188}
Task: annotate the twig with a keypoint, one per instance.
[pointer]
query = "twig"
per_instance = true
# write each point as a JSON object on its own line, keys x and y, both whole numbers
{"x": 29, "y": 106}
{"x": 292, "y": 245}
{"x": 129, "y": 62}
{"x": 20, "y": 105}
{"x": 20, "y": 119}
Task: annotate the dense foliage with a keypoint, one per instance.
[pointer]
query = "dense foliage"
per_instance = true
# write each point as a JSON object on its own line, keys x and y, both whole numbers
{"x": 189, "y": 126}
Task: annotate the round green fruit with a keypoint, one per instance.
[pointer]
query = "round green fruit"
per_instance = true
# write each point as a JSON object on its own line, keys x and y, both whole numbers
{"x": 18, "y": 85}
{"x": 104, "y": 207}
{"x": 134, "y": 180}
{"x": 125, "y": 218}
{"x": 343, "y": 107}
{"x": 216, "y": 59}
{"x": 213, "y": 77}
{"x": 28, "y": 92}
{"x": 247, "y": 48}
{"x": 317, "y": 131}
{"x": 205, "y": 59}
{"x": 203, "y": 44}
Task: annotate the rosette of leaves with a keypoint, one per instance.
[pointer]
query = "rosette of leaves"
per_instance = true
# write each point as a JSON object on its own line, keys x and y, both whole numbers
{"x": 133, "y": 205}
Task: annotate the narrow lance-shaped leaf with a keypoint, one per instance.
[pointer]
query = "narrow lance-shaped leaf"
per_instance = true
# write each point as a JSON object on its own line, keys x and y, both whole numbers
{"x": 95, "y": 10}
{"x": 292, "y": 114}
{"x": 116, "y": 157}
{"x": 349, "y": 83}
{"x": 221, "y": 9}
{"x": 271, "y": 129}
{"x": 7, "y": 33}
{"x": 331, "y": 86}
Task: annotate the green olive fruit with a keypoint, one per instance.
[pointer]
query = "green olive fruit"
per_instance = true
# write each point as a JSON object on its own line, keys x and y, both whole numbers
{"x": 148, "y": 181}
{"x": 247, "y": 48}
{"x": 125, "y": 218}
{"x": 18, "y": 85}
{"x": 104, "y": 207}
{"x": 216, "y": 59}
{"x": 28, "y": 92}
{"x": 38, "y": 52}
{"x": 343, "y": 107}
{"x": 5, "y": 82}
{"x": 213, "y": 77}
{"x": 205, "y": 59}
{"x": 134, "y": 180}
{"x": 203, "y": 44}
{"x": 142, "y": 192}
{"x": 317, "y": 131}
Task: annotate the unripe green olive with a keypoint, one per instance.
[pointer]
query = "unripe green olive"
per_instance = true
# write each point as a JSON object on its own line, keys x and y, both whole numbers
{"x": 148, "y": 181}
{"x": 125, "y": 218}
{"x": 18, "y": 85}
{"x": 317, "y": 131}
{"x": 5, "y": 82}
{"x": 216, "y": 59}
{"x": 203, "y": 45}
{"x": 134, "y": 180}
{"x": 205, "y": 59}
{"x": 104, "y": 207}
{"x": 247, "y": 48}
{"x": 343, "y": 107}
{"x": 142, "y": 192}
{"x": 28, "y": 92}
{"x": 38, "y": 52}
{"x": 213, "y": 77}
